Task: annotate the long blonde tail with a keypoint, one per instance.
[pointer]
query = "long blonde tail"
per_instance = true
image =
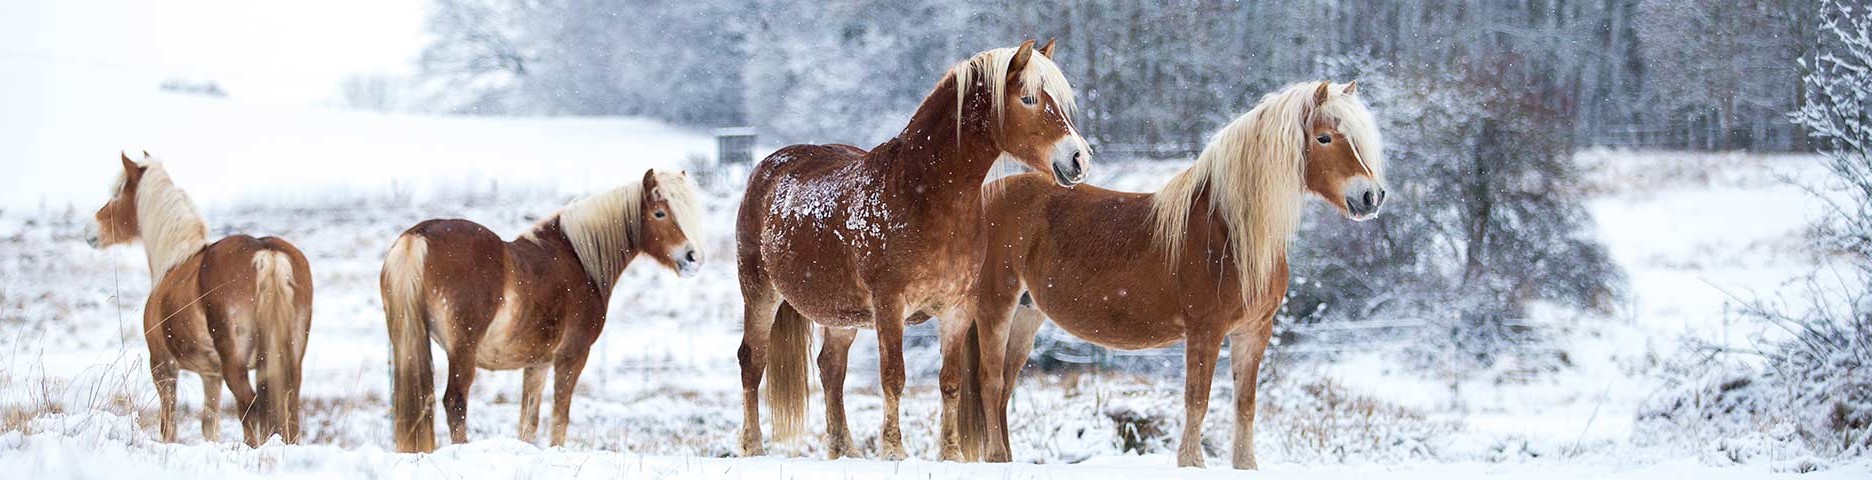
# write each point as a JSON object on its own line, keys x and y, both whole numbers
{"x": 789, "y": 353}
{"x": 412, "y": 392}
{"x": 277, "y": 320}
{"x": 971, "y": 422}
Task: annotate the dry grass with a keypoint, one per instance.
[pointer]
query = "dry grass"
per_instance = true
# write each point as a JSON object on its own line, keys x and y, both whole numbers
{"x": 1337, "y": 423}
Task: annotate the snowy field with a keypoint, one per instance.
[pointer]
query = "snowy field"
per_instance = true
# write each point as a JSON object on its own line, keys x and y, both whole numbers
{"x": 660, "y": 396}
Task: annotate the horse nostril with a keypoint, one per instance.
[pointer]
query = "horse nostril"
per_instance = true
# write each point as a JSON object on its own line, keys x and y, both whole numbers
{"x": 1381, "y": 196}
{"x": 1371, "y": 199}
{"x": 691, "y": 257}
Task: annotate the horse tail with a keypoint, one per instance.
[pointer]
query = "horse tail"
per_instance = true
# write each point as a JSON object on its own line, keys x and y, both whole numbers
{"x": 971, "y": 421}
{"x": 276, "y": 318}
{"x": 788, "y": 353}
{"x": 412, "y": 404}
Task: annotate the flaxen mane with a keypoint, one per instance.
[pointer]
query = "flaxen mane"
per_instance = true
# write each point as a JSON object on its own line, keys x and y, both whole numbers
{"x": 604, "y": 228}
{"x": 1041, "y": 74}
{"x": 1253, "y": 170}
{"x": 172, "y": 229}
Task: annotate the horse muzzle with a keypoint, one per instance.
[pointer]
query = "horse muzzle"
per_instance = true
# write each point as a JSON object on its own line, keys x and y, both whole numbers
{"x": 92, "y": 237}
{"x": 1071, "y": 161}
{"x": 1363, "y": 199}
{"x": 689, "y": 263}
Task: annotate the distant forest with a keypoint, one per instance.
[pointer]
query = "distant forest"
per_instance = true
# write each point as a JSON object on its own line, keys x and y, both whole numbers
{"x": 1154, "y": 77}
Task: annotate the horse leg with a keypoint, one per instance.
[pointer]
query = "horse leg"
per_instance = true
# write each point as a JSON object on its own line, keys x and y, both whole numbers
{"x": 757, "y": 319}
{"x": 163, "y": 371}
{"x": 1026, "y": 325}
{"x": 993, "y": 304}
{"x": 834, "y": 355}
{"x": 461, "y": 370}
{"x": 530, "y": 392}
{"x": 954, "y": 334}
{"x": 211, "y": 407}
{"x": 566, "y": 370}
{"x": 1200, "y": 355}
{"x": 1245, "y": 353}
{"x": 255, "y": 426}
{"x": 888, "y": 313}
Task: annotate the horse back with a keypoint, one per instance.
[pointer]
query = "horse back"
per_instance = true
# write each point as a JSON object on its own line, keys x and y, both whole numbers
{"x": 796, "y": 163}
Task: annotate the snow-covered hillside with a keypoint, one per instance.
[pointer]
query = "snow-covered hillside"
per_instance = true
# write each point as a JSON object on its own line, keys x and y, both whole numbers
{"x": 660, "y": 396}
{"x": 62, "y": 127}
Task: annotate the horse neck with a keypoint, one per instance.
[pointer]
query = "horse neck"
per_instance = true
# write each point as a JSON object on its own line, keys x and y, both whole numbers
{"x": 939, "y": 152}
{"x": 171, "y": 228}
{"x": 1212, "y": 224}
{"x": 600, "y": 260}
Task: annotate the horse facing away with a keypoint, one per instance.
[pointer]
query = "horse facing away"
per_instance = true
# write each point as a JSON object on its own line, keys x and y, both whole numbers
{"x": 217, "y": 309}
{"x": 849, "y": 239}
{"x": 1202, "y": 259}
{"x": 533, "y": 303}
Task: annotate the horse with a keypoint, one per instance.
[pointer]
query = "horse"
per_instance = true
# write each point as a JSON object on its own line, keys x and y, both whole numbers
{"x": 534, "y": 303}
{"x": 217, "y": 309}
{"x": 1201, "y": 259}
{"x": 849, "y": 239}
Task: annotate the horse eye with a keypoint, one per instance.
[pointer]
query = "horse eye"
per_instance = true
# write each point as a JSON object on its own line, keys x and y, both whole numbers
{"x": 1029, "y": 100}
{"x": 659, "y": 214}
{"x": 1325, "y": 138}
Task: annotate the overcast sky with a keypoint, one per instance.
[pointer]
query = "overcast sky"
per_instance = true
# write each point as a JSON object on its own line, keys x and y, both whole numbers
{"x": 279, "y": 52}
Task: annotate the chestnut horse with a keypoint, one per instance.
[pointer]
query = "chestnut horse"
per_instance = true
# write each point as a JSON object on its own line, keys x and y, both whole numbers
{"x": 533, "y": 303}
{"x": 216, "y": 309}
{"x": 1202, "y": 259}
{"x": 849, "y": 239}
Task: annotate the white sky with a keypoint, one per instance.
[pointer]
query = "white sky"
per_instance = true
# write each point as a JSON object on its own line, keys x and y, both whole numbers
{"x": 262, "y": 51}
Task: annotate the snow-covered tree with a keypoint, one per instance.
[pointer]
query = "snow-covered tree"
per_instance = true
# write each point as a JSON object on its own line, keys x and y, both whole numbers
{"x": 1805, "y": 374}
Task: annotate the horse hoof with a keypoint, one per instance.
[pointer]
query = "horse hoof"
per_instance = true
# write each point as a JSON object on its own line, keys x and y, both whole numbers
{"x": 840, "y": 449}
{"x": 894, "y": 453}
{"x": 752, "y": 448}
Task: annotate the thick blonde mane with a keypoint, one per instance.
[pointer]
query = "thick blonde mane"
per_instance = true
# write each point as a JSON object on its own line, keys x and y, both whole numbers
{"x": 605, "y": 228}
{"x": 1041, "y": 74}
{"x": 171, "y": 228}
{"x": 1253, "y": 170}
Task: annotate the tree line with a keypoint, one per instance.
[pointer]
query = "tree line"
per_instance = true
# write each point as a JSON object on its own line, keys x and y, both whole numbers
{"x": 1155, "y": 77}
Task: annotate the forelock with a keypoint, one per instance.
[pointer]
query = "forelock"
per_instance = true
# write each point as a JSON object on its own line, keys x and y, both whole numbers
{"x": 685, "y": 203}
{"x": 1358, "y": 125}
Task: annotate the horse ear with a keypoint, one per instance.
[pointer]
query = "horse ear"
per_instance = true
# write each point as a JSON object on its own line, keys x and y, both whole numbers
{"x": 128, "y": 165}
{"x": 1021, "y": 56}
{"x": 146, "y": 155}
{"x": 1351, "y": 88}
{"x": 651, "y": 187}
{"x": 1320, "y": 94}
{"x": 1047, "y": 50}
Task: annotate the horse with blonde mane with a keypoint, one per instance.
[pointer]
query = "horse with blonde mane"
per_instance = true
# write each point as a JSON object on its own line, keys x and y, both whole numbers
{"x": 217, "y": 309}
{"x": 535, "y": 303}
{"x": 1203, "y": 259}
{"x": 850, "y": 239}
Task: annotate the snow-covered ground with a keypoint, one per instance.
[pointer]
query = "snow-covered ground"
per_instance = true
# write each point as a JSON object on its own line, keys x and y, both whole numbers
{"x": 660, "y": 398}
